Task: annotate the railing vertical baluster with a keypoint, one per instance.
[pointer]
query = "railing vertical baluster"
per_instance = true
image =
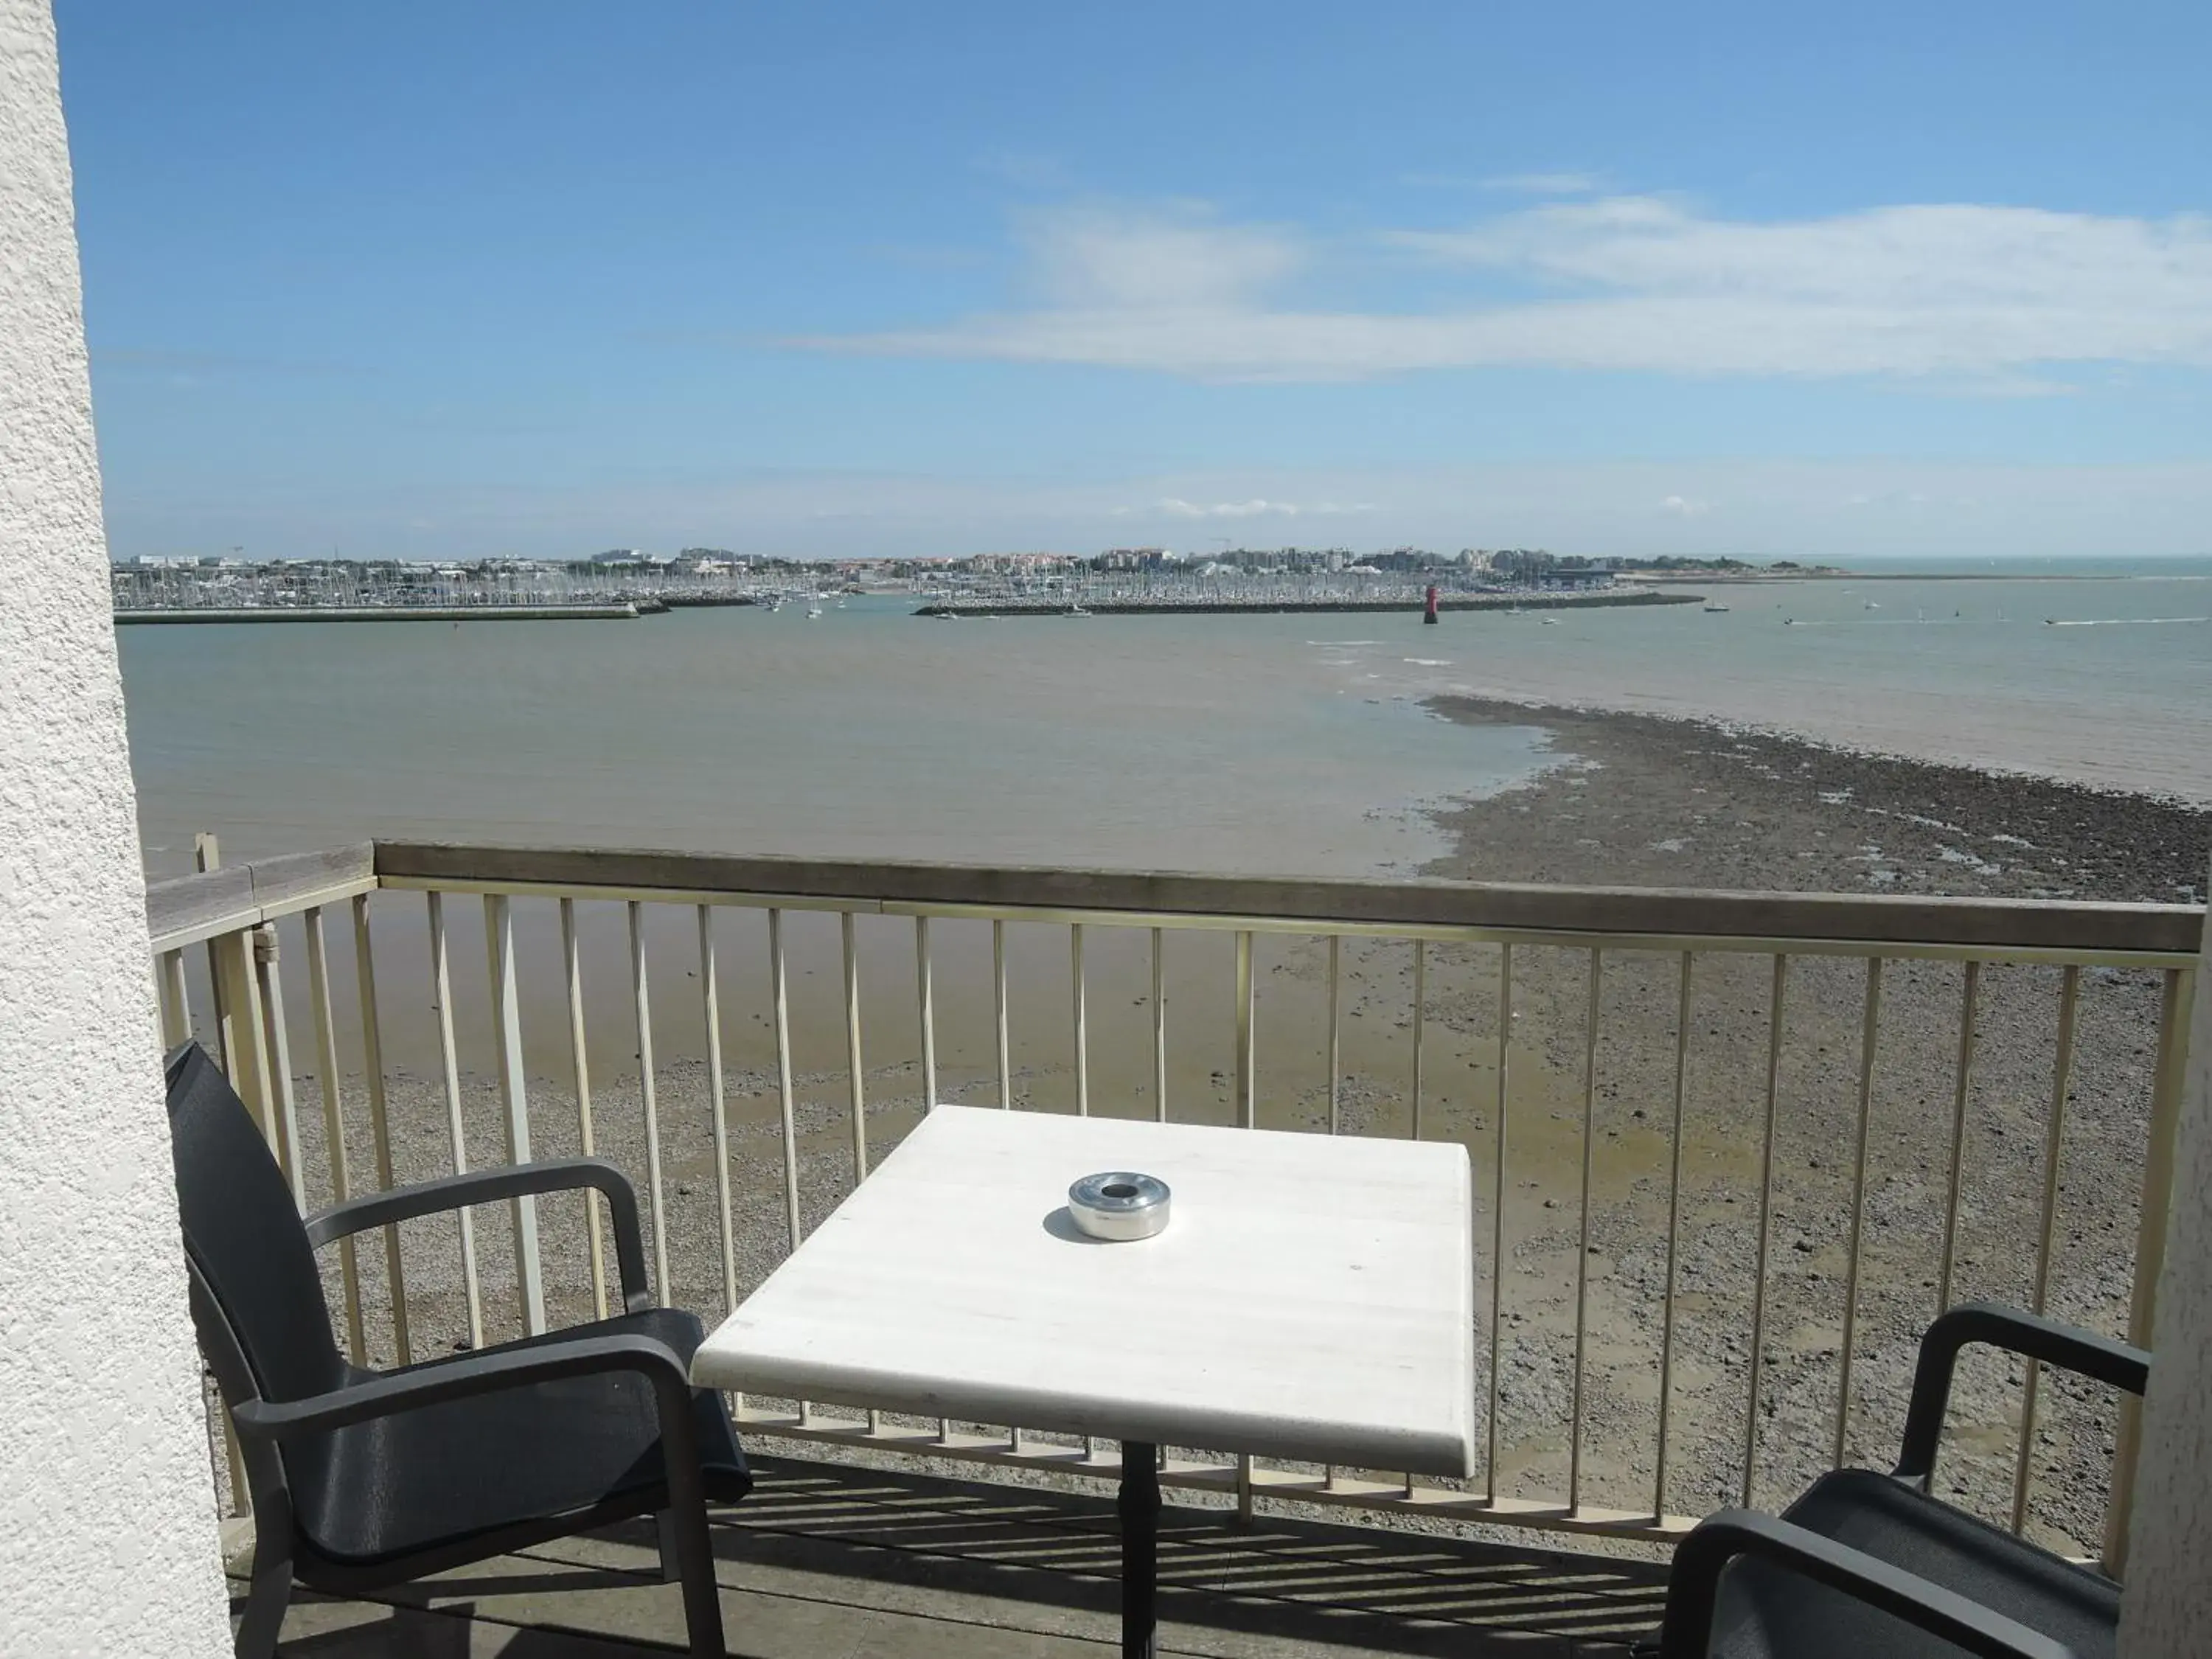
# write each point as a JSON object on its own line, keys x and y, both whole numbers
{"x": 2062, "y": 1079}
{"x": 642, "y": 1001}
{"x": 999, "y": 1014}
{"x": 1868, "y": 1046}
{"x": 1082, "y": 1034}
{"x": 1582, "y": 1254}
{"x": 573, "y": 978}
{"x": 1420, "y": 1023}
{"x": 247, "y": 1033}
{"x": 1420, "y": 1027}
{"x": 1765, "y": 1208}
{"x": 1082, "y": 1024}
{"x": 2176, "y": 997}
{"x": 442, "y": 989}
{"x": 1498, "y": 1212}
{"x": 1674, "y": 1235}
{"x": 515, "y": 1102}
{"x": 1335, "y": 1070}
{"x": 710, "y": 1009}
{"x": 1246, "y": 1083}
{"x": 1246, "y": 1115}
{"x": 926, "y": 1010}
{"x": 279, "y": 1051}
{"x": 780, "y": 992}
{"x": 241, "y": 1492}
{"x": 240, "y": 1044}
{"x": 855, "y": 1088}
{"x": 380, "y": 1119}
{"x": 1962, "y": 1093}
{"x": 176, "y": 1000}
{"x": 326, "y": 1063}
{"x": 207, "y": 854}
{"x": 1335, "y": 1034}
{"x": 1159, "y": 1029}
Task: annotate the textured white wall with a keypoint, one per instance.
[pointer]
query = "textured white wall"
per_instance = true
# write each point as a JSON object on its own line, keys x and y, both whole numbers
{"x": 2168, "y": 1606}
{"x": 108, "y": 1535}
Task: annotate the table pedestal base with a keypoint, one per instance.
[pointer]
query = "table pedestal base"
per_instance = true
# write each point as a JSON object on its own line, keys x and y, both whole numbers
{"x": 1139, "y": 1503}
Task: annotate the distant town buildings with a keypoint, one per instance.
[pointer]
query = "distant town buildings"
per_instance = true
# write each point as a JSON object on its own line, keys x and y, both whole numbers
{"x": 710, "y": 575}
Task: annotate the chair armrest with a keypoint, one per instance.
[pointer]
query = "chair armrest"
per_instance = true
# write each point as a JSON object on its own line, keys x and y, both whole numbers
{"x": 485, "y": 1186}
{"x": 2016, "y": 1331}
{"x": 391, "y": 1392}
{"x": 1693, "y": 1588}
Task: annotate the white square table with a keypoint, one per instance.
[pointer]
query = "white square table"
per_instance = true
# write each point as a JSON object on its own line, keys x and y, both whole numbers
{"x": 1311, "y": 1298}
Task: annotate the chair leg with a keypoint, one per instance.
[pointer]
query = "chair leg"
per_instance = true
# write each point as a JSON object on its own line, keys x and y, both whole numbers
{"x": 684, "y": 1535}
{"x": 672, "y": 1568}
{"x": 266, "y": 1597}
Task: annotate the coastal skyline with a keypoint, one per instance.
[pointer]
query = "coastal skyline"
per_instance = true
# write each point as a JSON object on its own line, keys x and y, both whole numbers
{"x": 422, "y": 284}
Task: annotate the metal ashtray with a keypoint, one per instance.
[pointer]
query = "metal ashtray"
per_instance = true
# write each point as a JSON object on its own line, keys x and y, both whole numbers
{"x": 1119, "y": 1205}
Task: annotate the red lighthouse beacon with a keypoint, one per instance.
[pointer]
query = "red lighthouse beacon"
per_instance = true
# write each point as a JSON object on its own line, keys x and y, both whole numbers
{"x": 1430, "y": 615}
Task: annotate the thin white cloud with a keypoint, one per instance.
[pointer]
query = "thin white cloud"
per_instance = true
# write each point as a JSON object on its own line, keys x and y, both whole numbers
{"x": 1685, "y": 507}
{"x": 1545, "y": 184}
{"x": 1523, "y": 184}
{"x": 1958, "y": 296}
{"x": 1098, "y": 259}
{"x": 1175, "y": 507}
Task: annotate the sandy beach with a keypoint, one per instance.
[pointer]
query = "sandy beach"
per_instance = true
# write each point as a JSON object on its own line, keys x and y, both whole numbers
{"x": 1631, "y": 800}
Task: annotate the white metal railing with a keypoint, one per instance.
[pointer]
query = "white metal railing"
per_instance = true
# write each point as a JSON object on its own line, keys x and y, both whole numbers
{"x": 1506, "y": 1034}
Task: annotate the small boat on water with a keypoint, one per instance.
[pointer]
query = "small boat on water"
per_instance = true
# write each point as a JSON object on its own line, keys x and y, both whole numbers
{"x": 1715, "y": 608}
{"x": 813, "y": 610}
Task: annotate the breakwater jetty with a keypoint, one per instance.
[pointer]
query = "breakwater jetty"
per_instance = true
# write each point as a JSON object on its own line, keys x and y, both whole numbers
{"x": 1262, "y": 606}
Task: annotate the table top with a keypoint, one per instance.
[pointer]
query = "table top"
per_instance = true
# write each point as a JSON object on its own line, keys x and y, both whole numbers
{"x": 1312, "y": 1298}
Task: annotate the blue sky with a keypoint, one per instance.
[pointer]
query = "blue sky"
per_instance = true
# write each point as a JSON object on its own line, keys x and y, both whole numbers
{"x": 852, "y": 278}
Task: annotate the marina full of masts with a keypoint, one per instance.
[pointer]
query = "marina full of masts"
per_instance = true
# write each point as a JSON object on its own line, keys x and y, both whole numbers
{"x": 1120, "y": 578}
{"x": 232, "y": 584}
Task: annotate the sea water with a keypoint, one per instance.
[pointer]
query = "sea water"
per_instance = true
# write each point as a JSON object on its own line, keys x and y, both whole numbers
{"x": 1286, "y": 744}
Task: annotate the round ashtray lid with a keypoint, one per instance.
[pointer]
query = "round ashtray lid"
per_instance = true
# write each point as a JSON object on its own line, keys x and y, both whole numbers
{"x": 1119, "y": 1204}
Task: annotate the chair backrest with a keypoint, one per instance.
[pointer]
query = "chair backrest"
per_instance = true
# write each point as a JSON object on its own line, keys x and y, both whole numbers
{"x": 245, "y": 1236}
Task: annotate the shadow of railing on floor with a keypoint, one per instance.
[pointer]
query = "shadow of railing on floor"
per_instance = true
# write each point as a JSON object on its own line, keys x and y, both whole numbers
{"x": 1400, "y": 1591}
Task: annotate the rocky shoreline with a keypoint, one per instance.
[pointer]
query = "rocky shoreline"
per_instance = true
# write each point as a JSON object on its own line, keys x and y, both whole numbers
{"x": 1662, "y": 801}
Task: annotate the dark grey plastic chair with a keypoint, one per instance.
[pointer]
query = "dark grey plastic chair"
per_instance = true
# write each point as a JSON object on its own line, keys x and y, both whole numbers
{"x": 1866, "y": 1563}
{"x": 362, "y": 1479}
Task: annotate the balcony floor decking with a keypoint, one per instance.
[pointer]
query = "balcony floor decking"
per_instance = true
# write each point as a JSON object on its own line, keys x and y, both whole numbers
{"x": 829, "y": 1559}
